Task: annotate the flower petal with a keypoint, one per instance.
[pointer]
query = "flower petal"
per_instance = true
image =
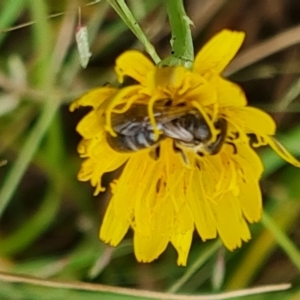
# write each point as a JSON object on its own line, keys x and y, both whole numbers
{"x": 199, "y": 205}
{"x": 122, "y": 205}
{"x": 182, "y": 243}
{"x": 135, "y": 65}
{"x": 250, "y": 199}
{"x": 232, "y": 227}
{"x": 152, "y": 233}
{"x": 251, "y": 120}
{"x": 101, "y": 158}
{"x": 282, "y": 152}
{"x": 228, "y": 93}
{"x": 248, "y": 161}
{"x": 90, "y": 125}
{"x": 218, "y": 52}
{"x": 148, "y": 248}
{"x": 204, "y": 94}
{"x": 249, "y": 168}
{"x": 126, "y": 203}
{"x": 150, "y": 217}
{"x": 114, "y": 227}
{"x": 93, "y": 169}
{"x": 94, "y": 98}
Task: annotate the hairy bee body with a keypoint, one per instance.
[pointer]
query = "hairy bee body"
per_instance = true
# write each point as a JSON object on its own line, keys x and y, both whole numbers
{"x": 185, "y": 126}
{"x": 133, "y": 136}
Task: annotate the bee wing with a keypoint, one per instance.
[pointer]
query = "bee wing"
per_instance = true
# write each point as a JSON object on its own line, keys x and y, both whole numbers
{"x": 136, "y": 119}
{"x": 167, "y": 114}
{"x": 139, "y": 113}
{"x": 132, "y": 121}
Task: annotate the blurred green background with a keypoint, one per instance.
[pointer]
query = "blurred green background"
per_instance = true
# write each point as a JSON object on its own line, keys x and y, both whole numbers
{"x": 49, "y": 221}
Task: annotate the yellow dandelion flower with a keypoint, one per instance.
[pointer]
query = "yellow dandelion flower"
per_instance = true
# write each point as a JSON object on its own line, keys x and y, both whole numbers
{"x": 185, "y": 139}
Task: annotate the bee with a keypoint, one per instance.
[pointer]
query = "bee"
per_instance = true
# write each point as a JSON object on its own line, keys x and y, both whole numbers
{"x": 185, "y": 126}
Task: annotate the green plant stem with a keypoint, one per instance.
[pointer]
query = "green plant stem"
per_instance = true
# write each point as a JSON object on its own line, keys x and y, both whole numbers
{"x": 124, "y": 12}
{"x": 182, "y": 42}
{"x": 196, "y": 265}
{"x": 42, "y": 32}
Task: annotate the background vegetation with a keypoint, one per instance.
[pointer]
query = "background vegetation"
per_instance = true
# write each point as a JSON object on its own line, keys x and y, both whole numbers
{"x": 49, "y": 221}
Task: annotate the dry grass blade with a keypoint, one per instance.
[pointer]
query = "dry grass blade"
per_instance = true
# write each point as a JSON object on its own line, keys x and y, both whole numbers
{"x": 59, "y": 14}
{"x": 202, "y": 12}
{"x": 264, "y": 49}
{"x": 138, "y": 293}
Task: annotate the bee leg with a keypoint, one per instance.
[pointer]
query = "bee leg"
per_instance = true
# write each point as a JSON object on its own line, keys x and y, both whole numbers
{"x": 215, "y": 148}
{"x": 182, "y": 154}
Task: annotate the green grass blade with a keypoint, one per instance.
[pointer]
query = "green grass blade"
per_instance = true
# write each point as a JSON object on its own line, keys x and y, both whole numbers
{"x": 124, "y": 12}
{"x": 8, "y": 15}
{"x": 27, "y": 152}
{"x": 282, "y": 239}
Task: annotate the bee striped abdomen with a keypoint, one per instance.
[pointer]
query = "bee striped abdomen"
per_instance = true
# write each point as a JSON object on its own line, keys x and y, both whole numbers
{"x": 134, "y": 142}
{"x": 134, "y": 130}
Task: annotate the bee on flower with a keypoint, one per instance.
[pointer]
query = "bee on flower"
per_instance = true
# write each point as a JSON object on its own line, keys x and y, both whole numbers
{"x": 183, "y": 137}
